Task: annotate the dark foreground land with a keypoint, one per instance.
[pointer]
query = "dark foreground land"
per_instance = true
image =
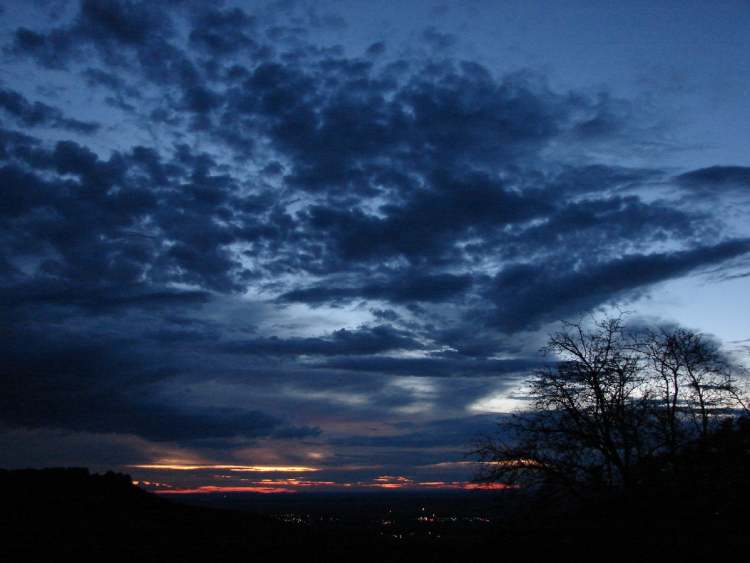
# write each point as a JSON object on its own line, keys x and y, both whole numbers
{"x": 70, "y": 514}
{"x": 74, "y": 513}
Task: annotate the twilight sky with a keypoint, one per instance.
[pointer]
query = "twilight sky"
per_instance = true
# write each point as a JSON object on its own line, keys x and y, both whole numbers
{"x": 287, "y": 245}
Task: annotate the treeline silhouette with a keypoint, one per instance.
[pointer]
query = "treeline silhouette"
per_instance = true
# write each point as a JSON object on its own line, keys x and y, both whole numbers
{"x": 636, "y": 437}
{"x": 693, "y": 503}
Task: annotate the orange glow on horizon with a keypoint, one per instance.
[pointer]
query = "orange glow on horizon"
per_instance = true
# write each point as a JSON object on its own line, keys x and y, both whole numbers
{"x": 489, "y": 486}
{"x": 466, "y": 486}
{"x": 238, "y": 468}
{"x": 389, "y": 478}
{"x": 295, "y": 483}
{"x": 292, "y": 485}
{"x": 218, "y": 489}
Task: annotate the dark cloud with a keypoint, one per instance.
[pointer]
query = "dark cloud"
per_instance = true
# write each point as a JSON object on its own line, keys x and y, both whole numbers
{"x": 376, "y": 49}
{"x": 437, "y": 39}
{"x": 118, "y": 212}
{"x": 711, "y": 181}
{"x": 108, "y": 26}
{"x": 369, "y": 340}
{"x": 527, "y": 294}
{"x": 37, "y": 114}
{"x": 400, "y": 288}
{"x": 599, "y": 178}
{"x": 607, "y": 223}
{"x": 353, "y": 117}
{"x": 51, "y": 50}
{"x": 119, "y": 21}
{"x": 222, "y": 32}
{"x": 98, "y": 298}
{"x": 428, "y": 225}
{"x": 443, "y": 154}
{"x": 123, "y": 91}
{"x": 456, "y": 432}
{"x": 433, "y": 367}
{"x": 64, "y": 448}
{"x": 97, "y": 384}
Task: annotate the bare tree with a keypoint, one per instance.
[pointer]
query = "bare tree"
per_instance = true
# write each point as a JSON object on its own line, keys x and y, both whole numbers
{"x": 694, "y": 380}
{"x": 617, "y": 397}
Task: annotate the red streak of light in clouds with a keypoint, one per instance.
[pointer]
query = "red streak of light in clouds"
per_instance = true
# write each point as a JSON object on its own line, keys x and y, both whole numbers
{"x": 216, "y": 489}
{"x": 292, "y": 486}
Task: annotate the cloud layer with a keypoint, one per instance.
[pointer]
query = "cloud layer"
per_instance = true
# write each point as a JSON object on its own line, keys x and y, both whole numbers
{"x": 231, "y": 237}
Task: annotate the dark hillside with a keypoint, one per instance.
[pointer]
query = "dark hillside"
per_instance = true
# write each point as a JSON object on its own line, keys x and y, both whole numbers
{"x": 72, "y": 513}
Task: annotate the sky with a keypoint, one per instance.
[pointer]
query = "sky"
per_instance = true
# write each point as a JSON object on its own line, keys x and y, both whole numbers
{"x": 291, "y": 245}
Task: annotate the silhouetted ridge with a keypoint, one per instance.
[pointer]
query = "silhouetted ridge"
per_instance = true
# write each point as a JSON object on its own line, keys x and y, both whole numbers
{"x": 76, "y": 513}
{"x": 695, "y": 502}
{"x": 68, "y": 483}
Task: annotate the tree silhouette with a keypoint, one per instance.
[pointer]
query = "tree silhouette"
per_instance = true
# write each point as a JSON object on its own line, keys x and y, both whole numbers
{"x": 616, "y": 399}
